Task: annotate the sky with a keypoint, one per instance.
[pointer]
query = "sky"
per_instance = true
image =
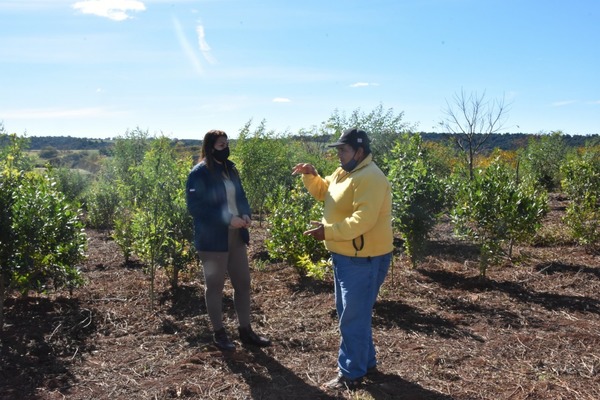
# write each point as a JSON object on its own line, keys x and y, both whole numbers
{"x": 101, "y": 68}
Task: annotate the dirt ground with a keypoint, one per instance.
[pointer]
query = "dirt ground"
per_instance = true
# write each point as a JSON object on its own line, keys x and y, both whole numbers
{"x": 529, "y": 331}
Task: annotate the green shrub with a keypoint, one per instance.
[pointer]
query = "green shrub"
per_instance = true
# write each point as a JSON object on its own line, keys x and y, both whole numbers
{"x": 101, "y": 202}
{"x": 292, "y": 212}
{"x": 161, "y": 226}
{"x": 543, "y": 158}
{"x": 123, "y": 233}
{"x": 48, "y": 152}
{"x": 123, "y": 177}
{"x": 42, "y": 238}
{"x": 71, "y": 182}
{"x": 496, "y": 212}
{"x": 418, "y": 195}
{"x": 49, "y": 238}
{"x": 262, "y": 158}
{"x": 582, "y": 186}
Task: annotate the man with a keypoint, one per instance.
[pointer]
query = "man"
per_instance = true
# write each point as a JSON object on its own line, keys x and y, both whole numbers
{"x": 357, "y": 230}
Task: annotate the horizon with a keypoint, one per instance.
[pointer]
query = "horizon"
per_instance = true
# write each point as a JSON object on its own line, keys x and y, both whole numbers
{"x": 566, "y": 135}
{"x": 96, "y": 69}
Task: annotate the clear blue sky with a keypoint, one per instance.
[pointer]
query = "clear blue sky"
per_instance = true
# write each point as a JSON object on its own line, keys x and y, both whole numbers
{"x": 97, "y": 68}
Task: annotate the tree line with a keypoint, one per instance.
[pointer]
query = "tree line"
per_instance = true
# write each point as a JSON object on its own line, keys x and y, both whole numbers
{"x": 504, "y": 141}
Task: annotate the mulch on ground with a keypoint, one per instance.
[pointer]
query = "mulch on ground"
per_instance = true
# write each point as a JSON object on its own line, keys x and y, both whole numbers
{"x": 531, "y": 330}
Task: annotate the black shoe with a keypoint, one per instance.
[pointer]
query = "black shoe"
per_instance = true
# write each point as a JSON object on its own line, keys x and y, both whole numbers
{"x": 342, "y": 383}
{"x": 371, "y": 371}
{"x": 222, "y": 341}
{"x": 247, "y": 336}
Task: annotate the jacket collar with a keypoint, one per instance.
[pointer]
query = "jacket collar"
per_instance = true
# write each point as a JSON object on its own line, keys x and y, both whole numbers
{"x": 343, "y": 174}
{"x": 364, "y": 162}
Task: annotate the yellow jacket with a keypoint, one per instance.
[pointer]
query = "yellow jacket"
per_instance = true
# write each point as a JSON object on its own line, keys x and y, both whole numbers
{"x": 357, "y": 213}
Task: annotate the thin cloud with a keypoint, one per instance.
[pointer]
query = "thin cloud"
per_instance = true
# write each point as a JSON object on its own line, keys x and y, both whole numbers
{"x": 204, "y": 47}
{"x": 281, "y": 100}
{"x": 117, "y": 10}
{"x": 33, "y": 5}
{"x": 187, "y": 47}
{"x": 563, "y": 103}
{"x": 512, "y": 95}
{"x": 55, "y": 113}
{"x": 363, "y": 84}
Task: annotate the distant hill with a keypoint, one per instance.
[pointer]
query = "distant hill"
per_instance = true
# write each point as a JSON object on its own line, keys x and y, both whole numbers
{"x": 74, "y": 143}
{"x": 68, "y": 143}
{"x": 512, "y": 141}
{"x": 503, "y": 141}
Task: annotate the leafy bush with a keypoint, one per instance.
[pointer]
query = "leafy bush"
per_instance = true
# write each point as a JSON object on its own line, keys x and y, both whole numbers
{"x": 140, "y": 194}
{"x": 441, "y": 157}
{"x": 124, "y": 177}
{"x": 71, "y": 182}
{"x": 161, "y": 225}
{"x": 314, "y": 150}
{"x": 262, "y": 158}
{"x": 101, "y": 202}
{"x": 543, "y": 158}
{"x": 48, "y": 152}
{"x": 418, "y": 195}
{"x": 292, "y": 211}
{"x": 49, "y": 240}
{"x": 42, "y": 239}
{"x": 582, "y": 186}
{"x": 496, "y": 212}
{"x": 122, "y": 232}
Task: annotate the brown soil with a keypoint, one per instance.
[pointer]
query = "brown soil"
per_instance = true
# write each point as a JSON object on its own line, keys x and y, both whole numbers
{"x": 529, "y": 331}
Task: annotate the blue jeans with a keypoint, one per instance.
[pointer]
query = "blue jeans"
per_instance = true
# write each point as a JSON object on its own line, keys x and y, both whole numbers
{"x": 357, "y": 283}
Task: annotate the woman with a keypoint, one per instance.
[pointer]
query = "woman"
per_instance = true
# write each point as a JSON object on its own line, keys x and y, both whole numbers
{"x": 217, "y": 201}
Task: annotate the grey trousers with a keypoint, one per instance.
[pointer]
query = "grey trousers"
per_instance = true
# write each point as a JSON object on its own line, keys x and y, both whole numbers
{"x": 215, "y": 266}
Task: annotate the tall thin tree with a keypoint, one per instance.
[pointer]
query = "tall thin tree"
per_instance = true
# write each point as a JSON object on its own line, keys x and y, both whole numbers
{"x": 471, "y": 119}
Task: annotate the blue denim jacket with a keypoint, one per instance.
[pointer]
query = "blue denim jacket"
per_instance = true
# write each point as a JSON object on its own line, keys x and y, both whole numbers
{"x": 206, "y": 200}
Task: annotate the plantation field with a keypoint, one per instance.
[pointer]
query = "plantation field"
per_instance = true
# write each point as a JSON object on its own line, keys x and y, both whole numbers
{"x": 531, "y": 330}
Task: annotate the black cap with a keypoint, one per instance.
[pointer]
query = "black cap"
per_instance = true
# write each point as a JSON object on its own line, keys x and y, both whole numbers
{"x": 354, "y": 137}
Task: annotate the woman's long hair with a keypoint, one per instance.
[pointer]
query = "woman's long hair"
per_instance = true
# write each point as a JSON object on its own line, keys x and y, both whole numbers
{"x": 208, "y": 144}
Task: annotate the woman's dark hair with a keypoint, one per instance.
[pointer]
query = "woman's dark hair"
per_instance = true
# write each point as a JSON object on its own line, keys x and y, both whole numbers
{"x": 208, "y": 144}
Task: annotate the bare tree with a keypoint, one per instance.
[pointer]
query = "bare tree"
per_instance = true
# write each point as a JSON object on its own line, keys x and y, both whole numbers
{"x": 472, "y": 119}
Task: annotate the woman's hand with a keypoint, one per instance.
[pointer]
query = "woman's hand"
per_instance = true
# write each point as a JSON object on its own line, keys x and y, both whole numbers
{"x": 238, "y": 222}
{"x": 247, "y": 220}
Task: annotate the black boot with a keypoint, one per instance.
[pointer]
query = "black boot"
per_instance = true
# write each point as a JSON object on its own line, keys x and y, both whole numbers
{"x": 222, "y": 341}
{"x": 247, "y": 336}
